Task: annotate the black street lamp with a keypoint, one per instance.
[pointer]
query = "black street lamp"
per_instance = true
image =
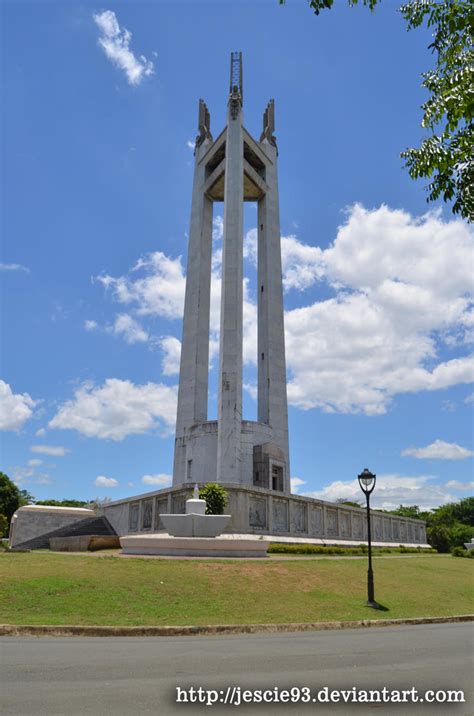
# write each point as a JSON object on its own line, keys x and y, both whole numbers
{"x": 367, "y": 484}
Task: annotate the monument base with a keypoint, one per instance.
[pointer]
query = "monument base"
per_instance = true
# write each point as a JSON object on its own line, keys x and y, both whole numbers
{"x": 166, "y": 546}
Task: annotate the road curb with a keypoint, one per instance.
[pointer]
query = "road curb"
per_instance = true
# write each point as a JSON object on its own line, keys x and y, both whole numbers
{"x": 216, "y": 629}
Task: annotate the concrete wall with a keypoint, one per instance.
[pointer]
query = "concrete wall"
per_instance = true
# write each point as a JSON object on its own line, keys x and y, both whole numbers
{"x": 34, "y": 520}
{"x": 260, "y": 511}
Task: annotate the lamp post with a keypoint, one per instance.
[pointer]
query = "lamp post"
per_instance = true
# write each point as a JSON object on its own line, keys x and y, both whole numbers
{"x": 367, "y": 484}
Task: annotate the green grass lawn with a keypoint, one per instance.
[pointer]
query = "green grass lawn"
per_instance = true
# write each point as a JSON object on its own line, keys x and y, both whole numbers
{"x": 49, "y": 588}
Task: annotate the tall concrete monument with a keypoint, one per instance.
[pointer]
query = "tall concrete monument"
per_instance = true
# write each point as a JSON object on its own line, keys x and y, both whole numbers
{"x": 249, "y": 457}
{"x": 233, "y": 168}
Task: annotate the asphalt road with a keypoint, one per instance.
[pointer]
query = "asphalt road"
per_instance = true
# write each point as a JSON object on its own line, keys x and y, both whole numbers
{"x": 125, "y": 676}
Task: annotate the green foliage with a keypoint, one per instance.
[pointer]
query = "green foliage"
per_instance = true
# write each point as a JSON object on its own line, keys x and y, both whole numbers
{"x": 215, "y": 496}
{"x": 10, "y": 497}
{"x": 26, "y": 498}
{"x": 283, "y": 548}
{"x": 350, "y": 503}
{"x": 63, "y": 503}
{"x": 3, "y": 526}
{"x": 445, "y": 157}
{"x": 439, "y": 537}
{"x": 461, "y": 552}
{"x": 411, "y": 511}
{"x": 460, "y": 534}
{"x": 318, "y": 5}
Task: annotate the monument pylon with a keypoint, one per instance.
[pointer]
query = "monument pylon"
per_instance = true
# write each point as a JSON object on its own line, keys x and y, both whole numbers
{"x": 233, "y": 168}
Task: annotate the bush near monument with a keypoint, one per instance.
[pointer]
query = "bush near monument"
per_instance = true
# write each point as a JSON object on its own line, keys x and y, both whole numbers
{"x": 215, "y": 496}
{"x": 361, "y": 549}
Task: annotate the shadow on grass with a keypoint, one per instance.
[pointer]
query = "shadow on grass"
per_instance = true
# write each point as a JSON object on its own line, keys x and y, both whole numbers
{"x": 376, "y": 606}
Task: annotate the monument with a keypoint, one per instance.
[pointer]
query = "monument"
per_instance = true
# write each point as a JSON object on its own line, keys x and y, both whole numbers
{"x": 234, "y": 168}
{"x": 250, "y": 458}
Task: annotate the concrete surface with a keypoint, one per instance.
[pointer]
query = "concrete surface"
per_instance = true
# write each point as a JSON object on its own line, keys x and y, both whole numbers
{"x": 57, "y": 676}
{"x": 160, "y": 544}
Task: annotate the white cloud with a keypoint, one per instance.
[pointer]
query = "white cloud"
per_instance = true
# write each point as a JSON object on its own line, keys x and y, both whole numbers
{"x": 159, "y": 291}
{"x": 217, "y": 227}
{"x": 401, "y": 288}
{"x": 296, "y": 483}
{"x": 162, "y": 480}
{"x": 102, "y": 481}
{"x": 390, "y": 492}
{"x": 15, "y": 408}
{"x": 457, "y": 485}
{"x": 129, "y": 329}
{"x": 90, "y": 325}
{"x": 34, "y": 463}
{"x": 439, "y": 450}
{"x": 54, "y": 450}
{"x": 171, "y": 348}
{"x": 115, "y": 42}
{"x": 14, "y": 267}
{"x": 40, "y": 433}
{"x": 191, "y": 144}
{"x": 117, "y": 409}
{"x": 469, "y": 399}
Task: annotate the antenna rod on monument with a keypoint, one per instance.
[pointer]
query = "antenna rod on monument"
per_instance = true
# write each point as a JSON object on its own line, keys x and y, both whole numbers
{"x": 236, "y": 76}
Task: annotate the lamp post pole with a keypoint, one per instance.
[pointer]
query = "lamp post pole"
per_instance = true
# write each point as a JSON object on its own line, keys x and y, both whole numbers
{"x": 367, "y": 484}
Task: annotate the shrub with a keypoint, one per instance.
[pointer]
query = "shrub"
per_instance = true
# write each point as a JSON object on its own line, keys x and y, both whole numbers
{"x": 460, "y": 534}
{"x": 461, "y": 552}
{"x": 439, "y": 537}
{"x": 285, "y": 548}
{"x": 3, "y": 526}
{"x": 215, "y": 496}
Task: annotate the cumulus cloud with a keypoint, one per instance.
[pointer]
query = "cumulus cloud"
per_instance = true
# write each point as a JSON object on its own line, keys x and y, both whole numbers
{"x": 118, "y": 408}
{"x": 15, "y": 408}
{"x": 14, "y": 267}
{"x": 296, "y": 483}
{"x": 439, "y": 450}
{"x": 391, "y": 491}
{"x": 462, "y": 486}
{"x": 53, "y": 450}
{"x": 102, "y": 481}
{"x": 90, "y": 325}
{"x": 402, "y": 286}
{"x": 129, "y": 329}
{"x": 155, "y": 286}
{"x": 40, "y": 433}
{"x": 171, "y": 348}
{"x": 115, "y": 42}
{"x": 162, "y": 480}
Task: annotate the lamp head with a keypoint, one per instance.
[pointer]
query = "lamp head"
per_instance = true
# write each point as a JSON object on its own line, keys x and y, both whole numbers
{"x": 366, "y": 481}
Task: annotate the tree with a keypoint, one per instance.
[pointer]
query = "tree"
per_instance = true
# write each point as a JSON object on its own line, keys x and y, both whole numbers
{"x": 10, "y": 497}
{"x": 26, "y": 498}
{"x": 446, "y": 155}
{"x": 350, "y": 503}
{"x": 215, "y": 496}
{"x": 63, "y": 503}
{"x": 3, "y": 526}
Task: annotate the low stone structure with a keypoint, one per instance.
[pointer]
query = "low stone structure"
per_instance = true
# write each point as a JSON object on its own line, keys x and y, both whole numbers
{"x": 259, "y": 511}
{"x": 32, "y": 521}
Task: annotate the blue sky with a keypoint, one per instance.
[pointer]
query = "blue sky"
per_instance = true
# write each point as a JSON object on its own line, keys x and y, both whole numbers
{"x": 96, "y": 190}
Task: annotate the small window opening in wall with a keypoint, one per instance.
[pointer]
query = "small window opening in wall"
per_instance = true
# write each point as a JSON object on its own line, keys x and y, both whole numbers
{"x": 263, "y": 356}
{"x": 261, "y": 227}
{"x": 189, "y": 472}
{"x": 261, "y": 289}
